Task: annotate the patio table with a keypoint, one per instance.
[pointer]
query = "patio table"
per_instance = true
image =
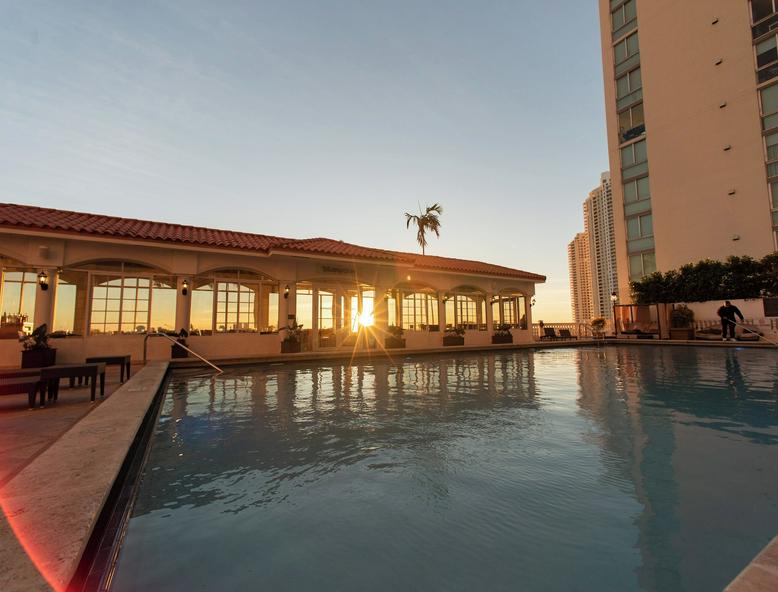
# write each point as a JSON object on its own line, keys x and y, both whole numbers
{"x": 122, "y": 361}
{"x": 51, "y": 376}
{"x": 22, "y": 385}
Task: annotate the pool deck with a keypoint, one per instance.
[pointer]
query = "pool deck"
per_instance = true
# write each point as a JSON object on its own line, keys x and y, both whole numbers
{"x": 60, "y": 463}
{"x": 55, "y": 489}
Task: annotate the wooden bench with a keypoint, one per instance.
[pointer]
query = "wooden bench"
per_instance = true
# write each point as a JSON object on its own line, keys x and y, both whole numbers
{"x": 24, "y": 384}
{"x": 122, "y": 361}
{"x": 51, "y": 375}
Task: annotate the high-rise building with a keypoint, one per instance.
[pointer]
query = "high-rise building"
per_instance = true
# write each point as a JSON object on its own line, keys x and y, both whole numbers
{"x": 579, "y": 263}
{"x": 691, "y": 92}
{"x": 598, "y": 225}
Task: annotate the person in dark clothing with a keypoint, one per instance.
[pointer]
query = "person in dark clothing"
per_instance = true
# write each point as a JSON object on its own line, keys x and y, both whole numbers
{"x": 727, "y": 314}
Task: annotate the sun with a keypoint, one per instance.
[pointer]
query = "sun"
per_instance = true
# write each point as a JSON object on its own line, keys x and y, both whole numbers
{"x": 366, "y": 319}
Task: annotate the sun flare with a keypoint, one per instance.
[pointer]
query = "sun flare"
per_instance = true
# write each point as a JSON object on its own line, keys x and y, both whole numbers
{"x": 366, "y": 319}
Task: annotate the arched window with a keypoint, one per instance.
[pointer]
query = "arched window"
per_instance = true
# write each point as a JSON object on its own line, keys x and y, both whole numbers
{"x": 17, "y": 296}
{"x": 233, "y": 301}
{"x": 130, "y": 298}
{"x": 420, "y": 311}
{"x": 510, "y": 308}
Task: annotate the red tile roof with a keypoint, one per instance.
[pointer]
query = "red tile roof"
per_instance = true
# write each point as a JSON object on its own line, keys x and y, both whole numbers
{"x": 63, "y": 221}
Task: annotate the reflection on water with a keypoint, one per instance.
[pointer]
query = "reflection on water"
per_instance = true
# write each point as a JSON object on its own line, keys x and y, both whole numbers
{"x": 635, "y": 468}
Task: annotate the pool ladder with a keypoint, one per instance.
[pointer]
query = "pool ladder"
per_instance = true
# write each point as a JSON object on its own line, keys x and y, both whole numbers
{"x": 169, "y": 338}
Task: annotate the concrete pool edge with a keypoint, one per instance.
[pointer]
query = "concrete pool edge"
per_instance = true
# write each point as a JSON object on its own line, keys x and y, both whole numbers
{"x": 67, "y": 486}
{"x": 761, "y": 574}
{"x": 317, "y": 356}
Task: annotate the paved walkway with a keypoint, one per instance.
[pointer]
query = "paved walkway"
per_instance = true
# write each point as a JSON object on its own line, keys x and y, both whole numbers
{"x": 25, "y": 433}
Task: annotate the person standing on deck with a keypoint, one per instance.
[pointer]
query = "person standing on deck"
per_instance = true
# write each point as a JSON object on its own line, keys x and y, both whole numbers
{"x": 727, "y": 314}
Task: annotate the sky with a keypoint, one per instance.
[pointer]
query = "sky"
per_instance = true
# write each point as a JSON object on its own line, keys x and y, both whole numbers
{"x": 314, "y": 118}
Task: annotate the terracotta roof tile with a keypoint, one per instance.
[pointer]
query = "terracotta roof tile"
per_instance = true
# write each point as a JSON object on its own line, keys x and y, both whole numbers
{"x": 62, "y": 221}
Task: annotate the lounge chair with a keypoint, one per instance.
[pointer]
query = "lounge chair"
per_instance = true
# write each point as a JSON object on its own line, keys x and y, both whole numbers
{"x": 549, "y": 334}
{"x": 25, "y": 385}
{"x": 565, "y": 334}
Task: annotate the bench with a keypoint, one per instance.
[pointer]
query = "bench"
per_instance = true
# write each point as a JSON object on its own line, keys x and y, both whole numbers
{"x": 24, "y": 384}
{"x": 122, "y": 361}
{"x": 51, "y": 375}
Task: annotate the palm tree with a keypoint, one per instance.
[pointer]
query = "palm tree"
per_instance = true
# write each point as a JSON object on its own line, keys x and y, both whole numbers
{"x": 425, "y": 221}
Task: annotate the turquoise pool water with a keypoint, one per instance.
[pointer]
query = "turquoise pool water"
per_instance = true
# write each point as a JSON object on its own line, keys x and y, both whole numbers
{"x": 618, "y": 468}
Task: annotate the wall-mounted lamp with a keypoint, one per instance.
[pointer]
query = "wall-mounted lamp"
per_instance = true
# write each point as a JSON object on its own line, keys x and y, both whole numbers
{"x": 43, "y": 280}
{"x": 286, "y": 291}
{"x": 532, "y": 302}
{"x": 614, "y": 297}
{"x": 185, "y": 287}
{"x": 408, "y": 278}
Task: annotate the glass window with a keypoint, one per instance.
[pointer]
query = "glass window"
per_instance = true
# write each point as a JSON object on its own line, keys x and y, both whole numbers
{"x": 630, "y": 11}
{"x": 642, "y": 185}
{"x": 774, "y": 194}
{"x": 766, "y": 52}
{"x": 163, "y": 305}
{"x": 304, "y": 305}
{"x": 632, "y": 44}
{"x": 201, "y": 311}
{"x": 391, "y": 306}
{"x": 633, "y": 228}
{"x": 769, "y": 99}
{"x": 631, "y": 122}
{"x": 649, "y": 263}
{"x": 640, "y": 151}
{"x": 120, "y": 304}
{"x": 640, "y": 227}
{"x": 761, "y": 8}
{"x": 627, "y": 157}
{"x": 622, "y": 86}
{"x": 19, "y": 289}
{"x": 419, "y": 311}
{"x": 630, "y": 192}
{"x": 70, "y": 302}
{"x": 635, "y": 80}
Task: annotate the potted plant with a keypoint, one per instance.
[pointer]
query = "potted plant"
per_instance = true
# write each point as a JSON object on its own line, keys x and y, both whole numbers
{"x": 395, "y": 338}
{"x": 502, "y": 335}
{"x": 598, "y": 327}
{"x": 176, "y": 351}
{"x": 682, "y": 323}
{"x": 292, "y": 343}
{"x": 37, "y": 351}
{"x": 454, "y": 336}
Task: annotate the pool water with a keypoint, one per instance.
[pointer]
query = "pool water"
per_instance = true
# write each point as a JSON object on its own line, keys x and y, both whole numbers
{"x": 612, "y": 468}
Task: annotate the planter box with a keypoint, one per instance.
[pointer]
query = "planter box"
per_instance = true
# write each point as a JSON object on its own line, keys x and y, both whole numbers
{"x": 453, "y": 340}
{"x": 39, "y": 358}
{"x": 290, "y": 347}
{"x": 176, "y": 351}
{"x": 394, "y": 343}
{"x": 498, "y": 339}
{"x": 684, "y": 334}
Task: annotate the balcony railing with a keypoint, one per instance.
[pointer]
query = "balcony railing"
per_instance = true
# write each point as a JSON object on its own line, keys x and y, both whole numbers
{"x": 634, "y": 132}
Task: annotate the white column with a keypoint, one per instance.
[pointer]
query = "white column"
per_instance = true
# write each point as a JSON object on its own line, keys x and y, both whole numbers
{"x": 315, "y": 318}
{"x": 183, "y": 305}
{"x": 44, "y": 301}
{"x": 489, "y": 313}
{"x": 441, "y": 313}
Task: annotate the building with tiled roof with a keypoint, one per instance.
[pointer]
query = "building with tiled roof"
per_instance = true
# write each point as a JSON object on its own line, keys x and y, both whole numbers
{"x": 110, "y": 280}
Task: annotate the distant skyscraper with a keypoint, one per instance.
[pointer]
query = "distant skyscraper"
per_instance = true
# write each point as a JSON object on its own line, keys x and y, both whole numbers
{"x": 579, "y": 261}
{"x": 598, "y": 224}
{"x": 692, "y": 114}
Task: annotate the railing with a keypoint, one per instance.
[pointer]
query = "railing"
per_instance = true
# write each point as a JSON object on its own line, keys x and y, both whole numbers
{"x": 580, "y": 330}
{"x": 181, "y": 345}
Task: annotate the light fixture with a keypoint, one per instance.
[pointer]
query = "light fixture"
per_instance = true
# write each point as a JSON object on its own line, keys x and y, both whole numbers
{"x": 532, "y": 302}
{"x": 185, "y": 287}
{"x": 43, "y": 280}
{"x": 286, "y": 291}
{"x": 408, "y": 278}
{"x": 614, "y": 297}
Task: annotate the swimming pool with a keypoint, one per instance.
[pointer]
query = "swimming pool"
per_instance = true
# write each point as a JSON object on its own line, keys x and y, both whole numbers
{"x": 613, "y": 468}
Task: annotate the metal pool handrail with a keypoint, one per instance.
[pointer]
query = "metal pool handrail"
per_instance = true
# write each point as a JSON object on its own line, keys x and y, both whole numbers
{"x": 169, "y": 338}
